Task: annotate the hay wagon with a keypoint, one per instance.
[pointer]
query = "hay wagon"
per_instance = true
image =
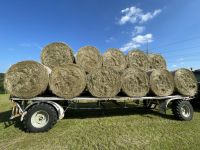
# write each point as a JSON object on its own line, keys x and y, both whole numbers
{"x": 41, "y": 113}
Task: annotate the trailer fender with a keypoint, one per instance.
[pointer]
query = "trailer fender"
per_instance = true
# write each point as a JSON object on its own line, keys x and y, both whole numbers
{"x": 163, "y": 104}
{"x": 58, "y": 108}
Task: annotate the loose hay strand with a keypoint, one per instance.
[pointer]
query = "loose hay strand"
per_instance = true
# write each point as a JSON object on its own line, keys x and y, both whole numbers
{"x": 156, "y": 61}
{"x": 135, "y": 82}
{"x": 26, "y": 79}
{"x": 161, "y": 82}
{"x": 56, "y": 54}
{"x": 89, "y": 58}
{"x": 137, "y": 58}
{"x": 185, "y": 82}
{"x": 114, "y": 58}
{"x": 104, "y": 82}
{"x": 68, "y": 81}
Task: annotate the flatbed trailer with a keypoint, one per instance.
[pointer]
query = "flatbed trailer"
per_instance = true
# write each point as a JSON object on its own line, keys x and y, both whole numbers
{"x": 39, "y": 114}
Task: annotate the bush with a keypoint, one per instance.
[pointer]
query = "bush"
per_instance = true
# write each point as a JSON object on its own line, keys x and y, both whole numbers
{"x": 1, "y": 83}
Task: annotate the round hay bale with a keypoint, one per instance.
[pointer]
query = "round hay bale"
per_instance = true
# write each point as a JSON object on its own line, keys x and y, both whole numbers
{"x": 26, "y": 79}
{"x": 137, "y": 58}
{"x": 67, "y": 81}
{"x": 185, "y": 82}
{"x": 161, "y": 82}
{"x": 104, "y": 82}
{"x": 135, "y": 82}
{"x": 156, "y": 61}
{"x": 115, "y": 59}
{"x": 56, "y": 54}
{"x": 89, "y": 58}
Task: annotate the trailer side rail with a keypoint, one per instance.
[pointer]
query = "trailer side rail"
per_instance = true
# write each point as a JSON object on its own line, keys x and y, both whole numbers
{"x": 106, "y": 99}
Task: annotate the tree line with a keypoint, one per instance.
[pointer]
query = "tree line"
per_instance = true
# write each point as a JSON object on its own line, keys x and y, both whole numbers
{"x": 1, "y": 83}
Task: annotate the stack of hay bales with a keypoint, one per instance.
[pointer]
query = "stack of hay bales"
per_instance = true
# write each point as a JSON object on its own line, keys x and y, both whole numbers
{"x": 107, "y": 75}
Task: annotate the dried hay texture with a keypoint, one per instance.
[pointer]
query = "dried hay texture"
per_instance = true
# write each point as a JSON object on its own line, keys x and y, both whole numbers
{"x": 115, "y": 59}
{"x": 26, "y": 79}
{"x": 185, "y": 82}
{"x": 89, "y": 58}
{"x": 156, "y": 61}
{"x": 104, "y": 82}
{"x": 161, "y": 82}
{"x": 67, "y": 81}
{"x": 56, "y": 54}
{"x": 135, "y": 82}
{"x": 137, "y": 58}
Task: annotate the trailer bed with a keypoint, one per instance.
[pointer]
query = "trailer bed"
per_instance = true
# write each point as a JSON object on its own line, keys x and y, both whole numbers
{"x": 119, "y": 98}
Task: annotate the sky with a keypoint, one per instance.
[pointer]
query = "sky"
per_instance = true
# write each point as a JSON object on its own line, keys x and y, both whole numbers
{"x": 170, "y": 27}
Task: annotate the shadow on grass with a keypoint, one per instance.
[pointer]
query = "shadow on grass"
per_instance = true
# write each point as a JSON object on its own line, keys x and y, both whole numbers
{"x": 195, "y": 104}
{"x": 5, "y": 119}
{"x": 82, "y": 114}
{"x": 196, "y": 108}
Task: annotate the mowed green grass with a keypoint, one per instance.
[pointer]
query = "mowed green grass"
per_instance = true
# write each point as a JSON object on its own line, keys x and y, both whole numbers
{"x": 134, "y": 128}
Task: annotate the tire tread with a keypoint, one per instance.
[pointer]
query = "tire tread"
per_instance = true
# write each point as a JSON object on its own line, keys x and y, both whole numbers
{"x": 53, "y": 120}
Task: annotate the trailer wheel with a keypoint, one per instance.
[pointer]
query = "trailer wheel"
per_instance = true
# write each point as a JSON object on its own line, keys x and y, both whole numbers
{"x": 182, "y": 110}
{"x": 40, "y": 118}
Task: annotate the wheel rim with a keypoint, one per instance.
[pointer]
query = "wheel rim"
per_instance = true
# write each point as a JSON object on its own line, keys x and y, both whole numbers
{"x": 40, "y": 119}
{"x": 185, "y": 110}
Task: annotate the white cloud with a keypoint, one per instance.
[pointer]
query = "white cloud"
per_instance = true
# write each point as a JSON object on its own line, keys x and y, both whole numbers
{"x": 110, "y": 39}
{"x": 75, "y": 54}
{"x": 137, "y": 41}
{"x": 141, "y": 39}
{"x": 137, "y": 15}
{"x": 138, "y": 30}
{"x": 129, "y": 45}
{"x": 29, "y": 45}
{"x": 174, "y": 66}
{"x": 180, "y": 59}
{"x": 149, "y": 16}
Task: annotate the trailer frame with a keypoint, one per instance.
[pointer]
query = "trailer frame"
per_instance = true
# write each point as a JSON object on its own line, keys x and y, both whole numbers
{"x": 21, "y": 106}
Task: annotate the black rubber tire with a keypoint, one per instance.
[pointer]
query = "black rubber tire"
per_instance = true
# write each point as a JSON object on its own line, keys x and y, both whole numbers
{"x": 50, "y": 110}
{"x": 177, "y": 105}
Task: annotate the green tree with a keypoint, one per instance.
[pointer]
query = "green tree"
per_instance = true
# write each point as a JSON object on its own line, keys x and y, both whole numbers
{"x": 1, "y": 83}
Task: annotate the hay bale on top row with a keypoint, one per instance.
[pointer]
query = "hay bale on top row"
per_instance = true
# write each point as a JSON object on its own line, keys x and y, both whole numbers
{"x": 185, "y": 82}
{"x": 135, "y": 82}
{"x": 67, "y": 81}
{"x": 114, "y": 58}
{"x": 161, "y": 82}
{"x": 104, "y": 82}
{"x": 89, "y": 58}
{"x": 26, "y": 79}
{"x": 56, "y": 54}
{"x": 156, "y": 61}
{"x": 137, "y": 58}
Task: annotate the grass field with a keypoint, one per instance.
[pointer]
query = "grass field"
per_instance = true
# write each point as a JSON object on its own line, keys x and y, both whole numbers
{"x": 134, "y": 128}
